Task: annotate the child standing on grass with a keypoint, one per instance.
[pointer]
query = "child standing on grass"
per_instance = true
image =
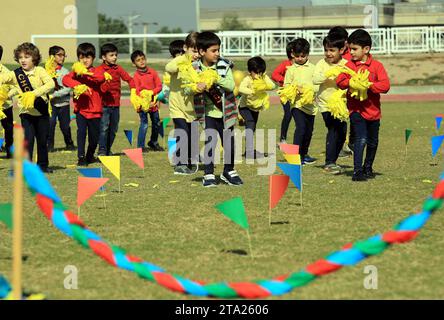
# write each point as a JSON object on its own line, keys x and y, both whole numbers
{"x": 364, "y": 105}
{"x": 86, "y": 81}
{"x": 147, "y": 80}
{"x": 334, "y": 46}
{"x": 253, "y": 100}
{"x": 111, "y": 91}
{"x": 6, "y": 116}
{"x": 33, "y": 84}
{"x": 278, "y": 76}
{"x": 220, "y": 109}
{"x": 300, "y": 74}
{"x": 60, "y": 102}
{"x": 181, "y": 106}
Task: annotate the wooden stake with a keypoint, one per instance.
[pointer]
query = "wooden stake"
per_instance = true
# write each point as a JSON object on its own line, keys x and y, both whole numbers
{"x": 17, "y": 229}
{"x": 249, "y": 244}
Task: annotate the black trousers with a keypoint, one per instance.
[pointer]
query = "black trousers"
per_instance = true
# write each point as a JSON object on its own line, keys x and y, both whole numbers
{"x": 214, "y": 128}
{"x": 8, "y": 125}
{"x": 61, "y": 113}
{"x": 304, "y": 130}
{"x": 251, "y": 117}
{"x": 336, "y": 134}
{"x": 37, "y": 128}
{"x": 182, "y": 133}
{"x": 92, "y": 128}
{"x": 286, "y": 119}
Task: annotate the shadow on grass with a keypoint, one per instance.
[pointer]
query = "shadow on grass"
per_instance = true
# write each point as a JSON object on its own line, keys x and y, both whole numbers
{"x": 280, "y": 222}
{"x": 235, "y": 251}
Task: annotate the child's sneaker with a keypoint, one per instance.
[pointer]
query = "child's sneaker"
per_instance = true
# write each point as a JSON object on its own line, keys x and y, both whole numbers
{"x": 359, "y": 176}
{"x": 209, "y": 180}
{"x": 193, "y": 167}
{"x": 308, "y": 160}
{"x": 232, "y": 178}
{"x": 368, "y": 173}
{"x": 182, "y": 170}
{"x": 82, "y": 162}
{"x": 332, "y": 168}
{"x": 155, "y": 146}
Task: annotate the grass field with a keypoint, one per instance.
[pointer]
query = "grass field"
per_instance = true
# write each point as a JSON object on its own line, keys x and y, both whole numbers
{"x": 171, "y": 221}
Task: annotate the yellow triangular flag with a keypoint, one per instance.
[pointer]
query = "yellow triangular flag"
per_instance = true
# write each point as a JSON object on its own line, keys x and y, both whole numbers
{"x": 293, "y": 158}
{"x": 112, "y": 163}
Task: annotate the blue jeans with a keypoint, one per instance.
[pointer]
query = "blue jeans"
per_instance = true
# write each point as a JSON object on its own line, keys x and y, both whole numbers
{"x": 366, "y": 133}
{"x": 109, "y": 124}
{"x": 143, "y": 128}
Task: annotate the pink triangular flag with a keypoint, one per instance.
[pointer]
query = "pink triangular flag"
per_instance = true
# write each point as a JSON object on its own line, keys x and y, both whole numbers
{"x": 86, "y": 187}
{"x": 277, "y": 187}
{"x": 136, "y": 156}
{"x": 289, "y": 148}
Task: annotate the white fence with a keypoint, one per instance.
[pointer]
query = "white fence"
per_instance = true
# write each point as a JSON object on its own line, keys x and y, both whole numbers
{"x": 273, "y": 42}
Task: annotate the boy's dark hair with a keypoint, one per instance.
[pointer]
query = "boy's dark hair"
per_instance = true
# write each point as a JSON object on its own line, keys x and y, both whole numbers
{"x": 339, "y": 31}
{"x": 301, "y": 46}
{"x": 361, "y": 38}
{"x": 1, "y": 52}
{"x": 54, "y": 50}
{"x": 191, "y": 40}
{"x": 333, "y": 40}
{"x": 107, "y": 48}
{"x": 86, "y": 49}
{"x": 207, "y": 39}
{"x": 28, "y": 48}
{"x": 256, "y": 65}
{"x": 290, "y": 49}
{"x": 135, "y": 54}
{"x": 176, "y": 47}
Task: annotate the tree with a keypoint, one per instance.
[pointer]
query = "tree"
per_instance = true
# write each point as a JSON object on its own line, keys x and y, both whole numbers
{"x": 231, "y": 21}
{"x": 166, "y": 41}
{"x": 109, "y": 25}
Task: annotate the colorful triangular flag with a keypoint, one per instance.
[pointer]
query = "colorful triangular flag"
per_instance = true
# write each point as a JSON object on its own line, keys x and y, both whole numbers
{"x": 112, "y": 163}
{"x": 86, "y": 187}
{"x": 171, "y": 146}
{"x": 293, "y": 158}
{"x": 6, "y": 214}
{"x": 408, "y": 133}
{"x": 277, "y": 186}
{"x": 438, "y": 120}
{"x": 92, "y": 173}
{"x": 436, "y": 144}
{"x": 37, "y": 181}
{"x": 165, "y": 123}
{"x": 294, "y": 172}
{"x": 289, "y": 148}
{"x": 234, "y": 210}
{"x": 129, "y": 136}
{"x": 136, "y": 156}
{"x": 1, "y": 142}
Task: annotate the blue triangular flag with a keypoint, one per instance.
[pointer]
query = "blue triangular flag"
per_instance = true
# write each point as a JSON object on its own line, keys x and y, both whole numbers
{"x": 1, "y": 142}
{"x": 436, "y": 144}
{"x": 37, "y": 181}
{"x": 438, "y": 120}
{"x": 171, "y": 146}
{"x": 129, "y": 136}
{"x": 92, "y": 173}
{"x": 294, "y": 172}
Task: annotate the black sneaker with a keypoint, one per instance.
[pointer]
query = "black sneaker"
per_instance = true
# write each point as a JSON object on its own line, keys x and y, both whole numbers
{"x": 71, "y": 147}
{"x": 47, "y": 170}
{"x": 182, "y": 170}
{"x": 51, "y": 149}
{"x": 231, "y": 178}
{"x": 359, "y": 176}
{"x": 209, "y": 180}
{"x": 193, "y": 167}
{"x": 369, "y": 174}
{"x": 308, "y": 160}
{"x": 82, "y": 162}
{"x": 93, "y": 159}
{"x": 155, "y": 146}
{"x": 101, "y": 154}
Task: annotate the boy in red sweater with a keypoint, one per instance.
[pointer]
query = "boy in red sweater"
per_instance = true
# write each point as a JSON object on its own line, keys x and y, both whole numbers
{"x": 365, "y": 110}
{"x": 86, "y": 81}
{"x": 147, "y": 79}
{"x": 111, "y": 91}
{"x": 278, "y": 76}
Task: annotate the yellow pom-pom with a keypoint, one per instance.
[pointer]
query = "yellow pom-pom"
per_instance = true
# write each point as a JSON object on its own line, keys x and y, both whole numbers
{"x": 259, "y": 85}
{"x": 3, "y": 95}
{"x": 50, "y": 66}
{"x": 107, "y": 76}
{"x": 238, "y": 76}
{"x": 288, "y": 93}
{"x": 209, "y": 77}
{"x": 80, "y": 69}
{"x": 26, "y": 99}
{"x": 146, "y": 97}
{"x": 2, "y": 114}
{"x": 307, "y": 95}
{"x": 80, "y": 89}
{"x": 337, "y": 105}
{"x": 166, "y": 79}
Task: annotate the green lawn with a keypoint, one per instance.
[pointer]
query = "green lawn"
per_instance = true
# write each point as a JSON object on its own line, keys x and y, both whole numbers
{"x": 171, "y": 221}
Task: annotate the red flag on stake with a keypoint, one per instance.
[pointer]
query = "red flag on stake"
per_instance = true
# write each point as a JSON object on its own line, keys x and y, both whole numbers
{"x": 289, "y": 148}
{"x": 136, "y": 156}
{"x": 86, "y": 187}
{"x": 278, "y": 185}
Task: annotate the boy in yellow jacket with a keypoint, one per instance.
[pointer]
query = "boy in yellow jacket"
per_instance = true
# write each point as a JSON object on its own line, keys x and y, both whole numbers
{"x": 33, "y": 84}
{"x": 254, "y": 98}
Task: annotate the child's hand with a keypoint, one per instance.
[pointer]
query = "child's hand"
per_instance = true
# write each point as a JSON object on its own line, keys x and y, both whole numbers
{"x": 80, "y": 69}
{"x": 81, "y": 89}
{"x": 27, "y": 99}
{"x": 201, "y": 87}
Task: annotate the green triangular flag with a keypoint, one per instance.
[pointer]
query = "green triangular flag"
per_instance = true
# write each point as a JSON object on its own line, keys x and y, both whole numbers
{"x": 408, "y": 132}
{"x": 234, "y": 210}
{"x": 165, "y": 123}
{"x": 6, "y": 214}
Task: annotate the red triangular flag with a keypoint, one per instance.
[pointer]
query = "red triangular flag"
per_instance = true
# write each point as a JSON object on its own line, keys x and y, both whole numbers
{"x": 136, "y": 156}
{"x": 278, "y": 185}
{"x": 289, "y": 148}
{"x": 86, "y": 187}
